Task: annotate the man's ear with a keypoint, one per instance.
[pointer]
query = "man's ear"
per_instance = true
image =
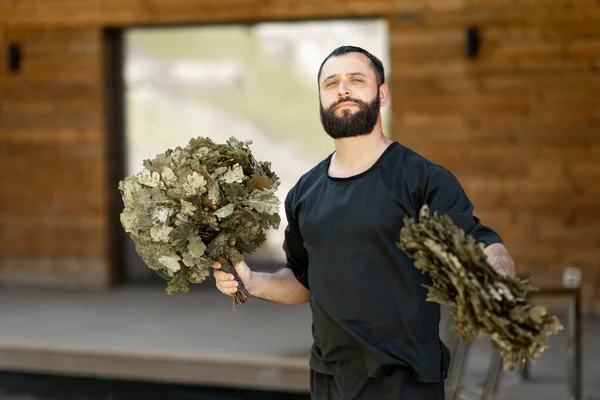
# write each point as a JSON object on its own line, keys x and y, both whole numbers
{"x": 383, "y": 94}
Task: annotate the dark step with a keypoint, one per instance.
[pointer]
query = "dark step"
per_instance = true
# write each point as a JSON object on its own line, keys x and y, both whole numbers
{"x": 21, "y": 386}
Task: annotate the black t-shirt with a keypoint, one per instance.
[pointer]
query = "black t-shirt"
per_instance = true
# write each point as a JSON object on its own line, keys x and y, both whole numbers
{"x": 367, "y": 298}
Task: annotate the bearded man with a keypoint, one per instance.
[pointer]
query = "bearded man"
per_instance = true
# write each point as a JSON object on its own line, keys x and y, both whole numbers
{"x": 375, "y": 337}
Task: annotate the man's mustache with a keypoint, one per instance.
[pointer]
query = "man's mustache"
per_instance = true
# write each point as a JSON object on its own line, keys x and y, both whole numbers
{"x": 346, "y": 99}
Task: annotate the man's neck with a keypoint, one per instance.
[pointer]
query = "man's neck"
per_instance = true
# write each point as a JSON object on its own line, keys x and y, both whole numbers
{"x": 357, "y": 154}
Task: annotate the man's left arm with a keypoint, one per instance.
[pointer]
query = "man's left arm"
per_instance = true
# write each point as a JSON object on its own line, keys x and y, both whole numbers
{"x": 444, "y": 194}
{"x": 500, "y": 259}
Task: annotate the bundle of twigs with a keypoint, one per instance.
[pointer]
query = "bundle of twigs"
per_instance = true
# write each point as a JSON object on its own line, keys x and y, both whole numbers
{"x": 482, "y": 301}
{"x": 191, "y": 206}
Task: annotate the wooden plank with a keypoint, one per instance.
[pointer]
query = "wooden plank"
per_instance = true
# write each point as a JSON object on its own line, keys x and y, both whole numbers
{"x": 139, "y": 12}
{"x": 473, "y": 161}
{"x": 17, "y": 92}
{"x": 56, "y": 136}
{"x": 489, "y": 14}
{"x": 515, "y": 192}
{"x": 58, "y": 202}
{"x": 538, "y": 49}
{"x": 462, "y": 101}
{"x": 511, "y": 225}
{"x": 573, "y": 230}
{"x": 586, "y": 46}
{"x": 511, "y": 72}
{"x": 56, "y": 238}
{"x": 424, "y": 128}
{"x": 455, "y": 66}
{"x": 500, "y": 115}
{"x": 568, "y": 96}
{"x": 576, "y": 228}
{"x": 552, "y": 260}
{"x": 59, "y": 272}
{"x": 539, "y": 81}
{"x": 60, "y": 119}
{"x": 412, "y": 38}
{"x": 530, "y": 256}
{"x": 47, "y": 120}
{"x": 529, "y": 32}
{"x": 527, "y": 64}
{"x": 585, "y": 170}
{"x": 527, "y": 3}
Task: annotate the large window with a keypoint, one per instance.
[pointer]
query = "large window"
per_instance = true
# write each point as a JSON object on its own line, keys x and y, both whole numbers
{"x": 254, "y": 82}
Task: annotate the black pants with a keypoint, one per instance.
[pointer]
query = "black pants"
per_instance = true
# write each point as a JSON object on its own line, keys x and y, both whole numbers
{"x": 396, "y": 385}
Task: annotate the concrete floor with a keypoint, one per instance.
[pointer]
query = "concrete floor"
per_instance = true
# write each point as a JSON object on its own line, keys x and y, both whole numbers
{"x": 200, "y": 325}
{"x": 548, "y": 376}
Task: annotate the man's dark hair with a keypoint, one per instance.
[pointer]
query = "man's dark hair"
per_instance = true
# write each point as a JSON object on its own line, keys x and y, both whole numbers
{"x": 376, "y": 62}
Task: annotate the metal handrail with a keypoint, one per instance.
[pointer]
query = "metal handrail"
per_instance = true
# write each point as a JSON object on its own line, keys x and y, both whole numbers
{"x": 574, "y": 363}
{"x": 572, "y": 278}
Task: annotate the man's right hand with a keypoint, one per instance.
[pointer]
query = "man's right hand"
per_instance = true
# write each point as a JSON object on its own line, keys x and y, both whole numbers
{"x": 226, "y": 282}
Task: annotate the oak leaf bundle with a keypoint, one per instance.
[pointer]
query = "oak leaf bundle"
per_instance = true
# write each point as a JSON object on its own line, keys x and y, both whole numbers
{"x": 482, "y": 301}
{"x": 192, "y": 206}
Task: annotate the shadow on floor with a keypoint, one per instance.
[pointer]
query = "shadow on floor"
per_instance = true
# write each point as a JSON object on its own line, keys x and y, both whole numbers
{"x": 19, "y": 386}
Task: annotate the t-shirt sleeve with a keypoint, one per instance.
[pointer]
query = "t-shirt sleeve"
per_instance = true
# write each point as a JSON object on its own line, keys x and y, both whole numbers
{"x": 293, "y": 244}
{"x": 445, "y": 195}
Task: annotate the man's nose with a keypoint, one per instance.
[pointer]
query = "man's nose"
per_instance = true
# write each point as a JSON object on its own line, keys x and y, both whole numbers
{"x": 344, "y": 89}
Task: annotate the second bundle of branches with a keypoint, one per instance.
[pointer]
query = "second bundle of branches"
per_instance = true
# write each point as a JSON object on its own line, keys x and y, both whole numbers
{"x": 482, "y": 301}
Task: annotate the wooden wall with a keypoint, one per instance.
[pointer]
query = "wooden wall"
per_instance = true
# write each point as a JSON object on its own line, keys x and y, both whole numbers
{"x": 52, "y": 157}
{"x": 519, "y": 125}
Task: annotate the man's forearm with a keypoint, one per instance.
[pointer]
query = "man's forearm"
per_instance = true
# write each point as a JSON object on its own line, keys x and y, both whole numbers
{"x": 279, "y": 287}
{"x": 500, "y": 259}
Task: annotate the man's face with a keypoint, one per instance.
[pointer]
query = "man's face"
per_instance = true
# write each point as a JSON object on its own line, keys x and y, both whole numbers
{"x": 350, "y": 99}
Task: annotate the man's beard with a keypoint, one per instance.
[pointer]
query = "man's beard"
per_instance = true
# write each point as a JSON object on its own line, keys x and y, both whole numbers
{"x": 351, "y": 124}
